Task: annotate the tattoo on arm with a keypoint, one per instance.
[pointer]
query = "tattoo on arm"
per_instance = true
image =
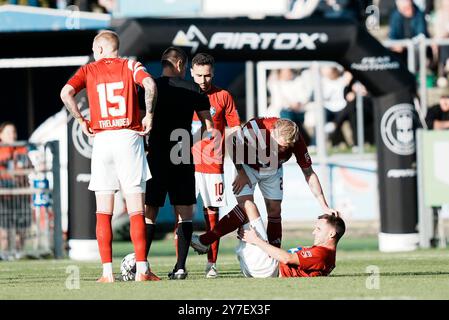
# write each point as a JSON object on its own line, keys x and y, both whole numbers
{"x": 314, "y": 184}
{"x": 75, "y": 113}
{"x": 73, "y": 109}
{"x": 150, "y": 95}
{"x": 307, "y": 172}
{"x": 71, "y": 106}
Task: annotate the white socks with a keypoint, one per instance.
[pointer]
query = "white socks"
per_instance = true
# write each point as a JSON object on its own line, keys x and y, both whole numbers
{"x": 107, "y": 269}
{"x": 141, "y": 267}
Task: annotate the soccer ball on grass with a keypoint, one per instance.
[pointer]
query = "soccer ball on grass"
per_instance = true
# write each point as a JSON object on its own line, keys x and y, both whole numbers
{"x": 128, "y": 267}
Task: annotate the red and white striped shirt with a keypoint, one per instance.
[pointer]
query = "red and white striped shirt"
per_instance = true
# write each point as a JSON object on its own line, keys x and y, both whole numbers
{"x": 254, "y": 146}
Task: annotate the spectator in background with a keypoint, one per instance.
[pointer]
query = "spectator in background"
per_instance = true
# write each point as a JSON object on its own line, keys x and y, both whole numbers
{"x": 441, "y": 28}
{"x": 289, "y": 95}
{"x": 333, "y": 86}
{"x": 353, "y": 9}
{"x": 437, "y": 117}
{"x": 354, "y": 89}
{"x": 14, "y": 219}
{"x": 406, "y": 22}
{"x": 349, "y": 114}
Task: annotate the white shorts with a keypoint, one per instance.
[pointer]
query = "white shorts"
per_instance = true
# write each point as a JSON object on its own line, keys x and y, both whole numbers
{"x": 270, "y": 183}
{"x": 211, "y": 188}
{"x": 119, "y": 162}
{"x": 254, "y": 262}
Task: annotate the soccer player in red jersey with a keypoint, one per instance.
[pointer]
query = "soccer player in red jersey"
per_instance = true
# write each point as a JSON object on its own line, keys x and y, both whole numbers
{"x": 259, "y": 259}
{"x": 319, "y": 260}
{"x": 260, "y": 148}
{"x": 209, "y": 153}
{"x": 118, "y": 157}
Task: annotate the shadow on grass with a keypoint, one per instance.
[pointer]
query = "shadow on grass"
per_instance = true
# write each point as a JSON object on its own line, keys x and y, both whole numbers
{"x": 393, "y": 274}
{"x": 166, "y": 247}
{"x": 232, "y": 274}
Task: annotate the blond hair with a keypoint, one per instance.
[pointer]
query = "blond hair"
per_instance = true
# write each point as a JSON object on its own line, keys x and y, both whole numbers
{"x": 109, "y": 37}
{"x": 288, "y": 130}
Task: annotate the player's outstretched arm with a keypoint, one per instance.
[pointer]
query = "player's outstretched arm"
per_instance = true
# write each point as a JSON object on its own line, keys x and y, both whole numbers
{"x": 237, "y": 157}
{"x": 150, "y": 103}
{"x": 251, "y": 236}
{"x": 68, "y": 98}
{"x": 315, "y": 186}
{"x": 241, "y": 179}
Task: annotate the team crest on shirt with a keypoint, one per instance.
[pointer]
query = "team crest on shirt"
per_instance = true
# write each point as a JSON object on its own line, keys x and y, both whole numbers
{"x": 306, "y": 254}
{"x": 294, "y": 250}
{"x": 307, "y": 157}
{"x": 212, "y": 111}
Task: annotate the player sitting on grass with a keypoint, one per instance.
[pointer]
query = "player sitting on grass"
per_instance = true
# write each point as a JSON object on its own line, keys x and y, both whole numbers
{"x": 259, "y": 259}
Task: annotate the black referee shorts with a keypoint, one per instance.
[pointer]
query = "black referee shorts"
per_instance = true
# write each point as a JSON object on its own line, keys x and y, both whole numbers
{"x": 176, "y": 180}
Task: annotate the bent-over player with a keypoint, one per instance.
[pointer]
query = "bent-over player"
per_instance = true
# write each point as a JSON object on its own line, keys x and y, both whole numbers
{"x": 261, "y": 147}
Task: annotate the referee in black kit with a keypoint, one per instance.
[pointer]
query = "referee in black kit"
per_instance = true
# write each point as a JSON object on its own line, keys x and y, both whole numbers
{"x": 171, "y": 162}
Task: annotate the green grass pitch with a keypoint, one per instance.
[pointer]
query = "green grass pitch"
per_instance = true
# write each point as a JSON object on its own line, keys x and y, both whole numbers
{"x": 422, "y": 274}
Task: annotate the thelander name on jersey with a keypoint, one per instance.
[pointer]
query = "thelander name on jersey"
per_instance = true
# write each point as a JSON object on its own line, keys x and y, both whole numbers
{"x": 114, "y": 123}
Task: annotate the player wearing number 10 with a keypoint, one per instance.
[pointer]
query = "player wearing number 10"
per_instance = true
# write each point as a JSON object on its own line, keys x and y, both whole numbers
{"x": 209, "y": 154}
{"x": 118, "y": 158}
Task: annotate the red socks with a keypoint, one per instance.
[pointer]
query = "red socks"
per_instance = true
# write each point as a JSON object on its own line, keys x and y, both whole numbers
{"x": 104, "y": 236}
{"x": 211, "y": 218}
{"x": 274, "y": 231}
{"x": 137, "y": 230}
{"x": 227, "y": 224}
